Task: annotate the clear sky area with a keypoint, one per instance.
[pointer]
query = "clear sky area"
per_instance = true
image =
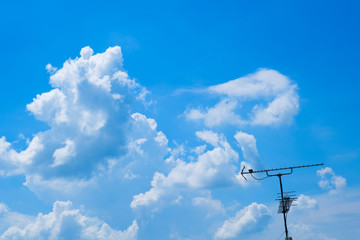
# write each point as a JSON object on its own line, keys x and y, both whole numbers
{"x": 134, "y": 119}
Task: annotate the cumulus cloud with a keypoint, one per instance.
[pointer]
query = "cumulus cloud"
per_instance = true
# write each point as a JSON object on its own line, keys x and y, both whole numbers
{"x": 9, "y": 218}
{"x": 121, "y": 179}
{"x": 88, "y": 112}
{"x": 213, "y": 168}
{"x": 66, "y": 222}
{"x": 252, "y": 218}
{"x": 96, "y": 151}
{"x": 273, "y": 98}
{"x": 147, "y": 146}
{"x": 306, "y": 202}
{"x": 330, "y": 181}
{"x": 95, "y": 145}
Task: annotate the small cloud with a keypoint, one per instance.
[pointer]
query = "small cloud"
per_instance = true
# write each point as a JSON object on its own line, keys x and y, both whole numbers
{"x": 254, "y": 217}
{"x": 249, "y": 150}
{"x": 330, "y": 181}
{"x": 86, "y": 52}
{"x": 50, "y": 68}
{"x": 62, "y": 155}
{"x": 306, "y": 202}
{"x": 208, "y": 137}
{"x": 161, "y": 138}
{"x": 221, "y": 113}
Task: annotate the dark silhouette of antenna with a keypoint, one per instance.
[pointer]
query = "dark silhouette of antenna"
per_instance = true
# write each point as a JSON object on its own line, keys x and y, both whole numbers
{"x": 285, "y": 201}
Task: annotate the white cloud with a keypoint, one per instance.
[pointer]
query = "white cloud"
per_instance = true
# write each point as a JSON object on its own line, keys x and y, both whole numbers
{"x": 14, "y": 162}
{"x": 330, "y": 181}
{"x": 62, "y": 155}
{"x": 319, "y": 217}
{"x": 50, "y": 68}
{"x": 88, "y": 114}
{"x": 161, "y": 138}
{"x": 151, "y": 196}
{"x": 145, "y": 155}
{"x": 249, "y": 150}
{"x": 96, "y": 151}
{"x": 9, "y": 218}
{"x": 264, "y": 82}
{"x": 281, "y": 110}
{"x": 252, "y": 218}
{"x": 209, "y": 169}
{"x": 65, "y": 222}
{"x": 306, "y": 202}
{"x": 264, "y": 86}
{"x": 222, "y": 113}
{"x": 50, "y": 107}
{"x": 209, "y": 137}
{"x": 199, "y": 149}
{"x": 213, "y": 168}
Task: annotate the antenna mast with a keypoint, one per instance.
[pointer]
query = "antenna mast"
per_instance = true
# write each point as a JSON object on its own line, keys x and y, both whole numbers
{"x": 285, "y": 202}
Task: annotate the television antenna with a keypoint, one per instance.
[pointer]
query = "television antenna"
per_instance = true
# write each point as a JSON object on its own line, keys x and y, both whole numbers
{"x": 287, "y": 200}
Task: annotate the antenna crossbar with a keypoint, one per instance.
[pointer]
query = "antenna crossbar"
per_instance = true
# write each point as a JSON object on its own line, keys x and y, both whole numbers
{"x": 279, "y": 169}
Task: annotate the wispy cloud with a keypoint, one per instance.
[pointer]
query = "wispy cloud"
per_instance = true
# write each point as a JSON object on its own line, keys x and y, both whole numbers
{"x": 264, "y": 86}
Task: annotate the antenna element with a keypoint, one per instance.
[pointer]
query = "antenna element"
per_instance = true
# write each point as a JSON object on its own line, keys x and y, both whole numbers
{"x": 285, "y": 202}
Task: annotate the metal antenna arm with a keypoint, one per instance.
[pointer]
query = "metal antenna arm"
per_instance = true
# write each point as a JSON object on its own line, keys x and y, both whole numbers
{"x": 272, "y": 175}
{"x": 242, "y": 173}
{"x": 259, "y": 178}
{"x": 251, "y": 171}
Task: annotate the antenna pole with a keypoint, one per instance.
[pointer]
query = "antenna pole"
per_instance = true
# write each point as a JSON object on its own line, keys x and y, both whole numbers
{"x": 283, "y": 202}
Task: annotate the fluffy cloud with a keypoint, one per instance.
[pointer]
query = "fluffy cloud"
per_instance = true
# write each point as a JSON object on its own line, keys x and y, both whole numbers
{"x": 115, "y": 184}
{"x": 65, "y": 222}
{"x": 96, "y": 151}
{"x": 330, "y": 181}
{"x": 306, "y": 202}
{"x": 318, "y": 217}
{"x": 252, "y": 218}
{"x": 88, "y": 112}
{"x": 210, "y": 169}
{"x": 213, "y": 168}
{"x": 9, "y": 218}
{"x": 274, "y": 98}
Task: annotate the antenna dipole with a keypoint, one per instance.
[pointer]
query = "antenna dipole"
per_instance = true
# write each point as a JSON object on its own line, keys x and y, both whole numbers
{"x": 285, "y": 202}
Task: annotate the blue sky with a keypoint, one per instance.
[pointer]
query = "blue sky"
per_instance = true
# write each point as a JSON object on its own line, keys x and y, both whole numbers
{"x": 132, "y": 119}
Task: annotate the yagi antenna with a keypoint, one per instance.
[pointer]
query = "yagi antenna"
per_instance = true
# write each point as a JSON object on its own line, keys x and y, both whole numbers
{"x": 285, "y": 202}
